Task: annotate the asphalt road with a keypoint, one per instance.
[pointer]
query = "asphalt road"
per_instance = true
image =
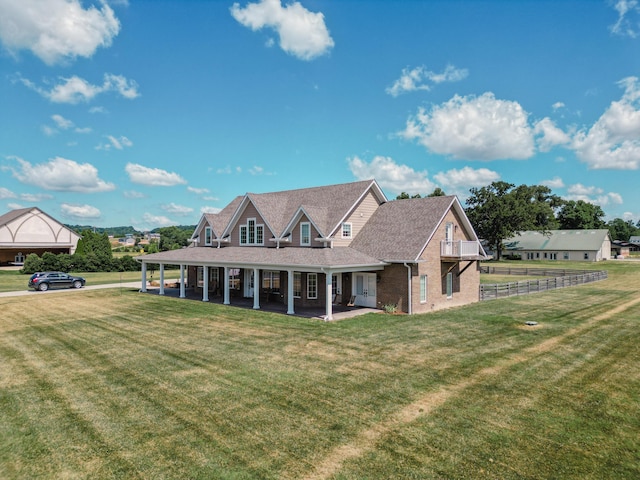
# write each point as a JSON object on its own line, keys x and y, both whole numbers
{"x": 20, "y": 293}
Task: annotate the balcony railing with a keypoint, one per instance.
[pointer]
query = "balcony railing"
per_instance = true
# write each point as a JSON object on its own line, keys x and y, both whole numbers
{"x": 459, "y": 249}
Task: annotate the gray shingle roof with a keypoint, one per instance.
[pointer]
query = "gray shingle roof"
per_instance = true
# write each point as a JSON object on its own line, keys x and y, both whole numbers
{"x": 13, "y": 214}
{"x": 558, "y": 240}
{"x": 399, "y": 230}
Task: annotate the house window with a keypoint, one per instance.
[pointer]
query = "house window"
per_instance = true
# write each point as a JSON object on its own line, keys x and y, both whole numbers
{"x": 566, "y": 255}
{"x": 207, "y": 236}
{"x": 214, "y": 277}
{"x": 423, "y": 288}
{"x": 234, "y": 279}
{"x": 586, "y": 255}
{"x": 449, "y": 285}
{"x": 553, "y": 256}
{"x": 297, "y": 284}
{"x": 251, "y": 233}
{"x": 312, "y": 285}
{"x": 200, "y": 277}
{"x": 271, "y": 280}
{"x": 346, "y": 230}
{"x": 305, "y": 233}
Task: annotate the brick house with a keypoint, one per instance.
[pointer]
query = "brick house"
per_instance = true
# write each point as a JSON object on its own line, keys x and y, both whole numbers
{"x": 340, "y": 244}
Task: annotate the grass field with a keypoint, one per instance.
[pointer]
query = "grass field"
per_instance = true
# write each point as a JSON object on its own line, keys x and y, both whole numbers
{"x": 105, "y": 384}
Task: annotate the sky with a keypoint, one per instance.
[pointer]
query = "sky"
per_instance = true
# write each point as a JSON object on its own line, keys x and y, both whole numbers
{"x": 149, "y": 113}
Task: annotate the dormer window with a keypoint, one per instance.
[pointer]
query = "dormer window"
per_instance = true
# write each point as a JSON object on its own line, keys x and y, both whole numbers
{"x": 251, "y": 233}
{"x": 305, "y": 233}
{"x": 207, "y": 236}
{"x": 346, "y": 230}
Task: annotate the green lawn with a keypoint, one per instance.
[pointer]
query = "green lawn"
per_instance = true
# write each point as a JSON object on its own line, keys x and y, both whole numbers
{"x": 106, "y": 384}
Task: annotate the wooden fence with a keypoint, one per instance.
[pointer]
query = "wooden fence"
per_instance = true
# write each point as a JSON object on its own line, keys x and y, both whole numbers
{"x": 559, "y": 278}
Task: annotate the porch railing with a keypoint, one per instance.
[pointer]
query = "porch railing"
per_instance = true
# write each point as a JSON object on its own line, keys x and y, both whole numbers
{"x": 459, "y": 249}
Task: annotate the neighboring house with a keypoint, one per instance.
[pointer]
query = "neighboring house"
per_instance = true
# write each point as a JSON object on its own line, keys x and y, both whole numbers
{"x": 576, "y": 245}
{"x": 30, "y": 230}
{"x": 635, "y": 239}
{"x": 338, "y": 244}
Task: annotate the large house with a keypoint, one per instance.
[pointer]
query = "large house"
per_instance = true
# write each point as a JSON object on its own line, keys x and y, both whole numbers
{"x": 30, "y": 230}
{"x": 576, "y": 245}
{"x": 334, "y": 245}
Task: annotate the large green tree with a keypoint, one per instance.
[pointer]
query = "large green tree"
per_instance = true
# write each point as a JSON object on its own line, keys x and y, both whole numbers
{"x": 501, "y": 210}
{"x": 578, "y": 215}
{"x": 622, "y": 230}
{"x": 172, "y": 238}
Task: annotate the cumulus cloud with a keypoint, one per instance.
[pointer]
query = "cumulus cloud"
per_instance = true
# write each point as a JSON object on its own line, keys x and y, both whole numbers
{"x": 473, "y": 128}
{"x": 302, "y": 33}
{"x": 153, "y": 177}
{"x": 6, "y": 193}
{"x": 81, "y": 212}
{"x": 197, "y": 191}
{"x": 459, "y": 181}
{"x": 549, "y": 135}
{"x": 56, "y": 30}
{"x": 177, "y": 209}
{"x": 420, "y": 78}
{"x": 74, "y": 89}
{"x": 627, "y": 23}
{"x": 61, "y": 175}
{"x": 391, "y": 176}
{"x": 157, "y": 220}
{"x": 595, "y": 195}
{"x": 555, "y": 182}
{"x": 207, "y": 209}
{"x": 613, "y": 141}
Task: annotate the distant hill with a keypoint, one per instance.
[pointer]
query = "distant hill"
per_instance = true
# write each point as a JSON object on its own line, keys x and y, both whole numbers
{"x": 122, "y": 231}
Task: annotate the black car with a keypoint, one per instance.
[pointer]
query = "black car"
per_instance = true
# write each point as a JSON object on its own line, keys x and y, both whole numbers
{"x": 43, "y": 281}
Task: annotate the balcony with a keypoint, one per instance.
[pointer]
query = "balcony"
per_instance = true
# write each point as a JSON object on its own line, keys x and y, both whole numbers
{"x": 460, "y": 249}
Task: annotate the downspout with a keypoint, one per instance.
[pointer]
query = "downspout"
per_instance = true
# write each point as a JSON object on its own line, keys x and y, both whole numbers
{"x": 408, "y": 288}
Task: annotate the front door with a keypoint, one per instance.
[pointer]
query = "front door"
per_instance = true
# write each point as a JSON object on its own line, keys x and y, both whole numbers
{"x": 364, "y": 288}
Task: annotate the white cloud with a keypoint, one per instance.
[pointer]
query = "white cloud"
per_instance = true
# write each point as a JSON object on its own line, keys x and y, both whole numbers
{"x": 56, "y": 30}
{"x": 613, "y": 141}
{"x": 550, "y": 135}
{"x": 35, "y": 197}
{"x": 49, "y": 131}
{"x": 79, "y": 211}
{"x": 209, "y": 210}
{"x": 593, "y": 195}
{"x": 157, "y": 220}
{"x": 302, "y": 33}
{"x": 61, "y": 122}
{"x": 197, "y": 191}
{"x": 74, "y": 89}
{"x": 15, "y": 206}
{"x": 177, "y": 209}
{"x": 391, "y": 176}
{"x": 557, "y": 105}
{"x": 417, "y": 78}
{"x": 459, "y": 182}
{"x": 6, "y": 193}
{"x": 117, "y": 143}
{"x": 473, "y": 128}
{"x": 555, "y": 182}
{"x": 62, "y": 175}
{"x": 133, "y": 194}
{"x": 154, "y": 177}
{"x": 624, "y": 26}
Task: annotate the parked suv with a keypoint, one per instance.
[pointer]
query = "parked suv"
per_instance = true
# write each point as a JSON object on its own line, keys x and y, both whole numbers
{"x": 43, "y": 281}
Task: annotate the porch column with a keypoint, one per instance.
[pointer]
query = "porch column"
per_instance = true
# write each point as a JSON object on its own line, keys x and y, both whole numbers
{"x": 205, "y": 285}
{"x": 329, "y": 295}
{"x": 143, "y": 287}
{"x": 226, "y": 286}
{"x": 161, "y": 279}
{"x": 256, "y": 289}
{"x": 182, "y": 294}
{"x": 290, "y": 292}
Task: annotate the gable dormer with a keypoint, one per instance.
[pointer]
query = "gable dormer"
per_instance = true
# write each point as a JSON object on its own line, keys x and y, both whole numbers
{"x": 350, "y": 225}
{"x": 248, "y": 226}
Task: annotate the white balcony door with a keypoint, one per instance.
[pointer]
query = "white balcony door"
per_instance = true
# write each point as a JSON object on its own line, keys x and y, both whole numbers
{"x": 448, "y": 238}
{"x": 364, "y": 287}
{"x": 248, "y": 283}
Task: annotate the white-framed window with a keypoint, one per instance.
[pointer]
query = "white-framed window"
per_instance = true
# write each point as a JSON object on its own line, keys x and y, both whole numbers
{"x": 214, "y": 276}
{"x": 586, "y": 255}
{"x": 200, "y": 277}
{"x": 251, "y": 233}
{"x": 336, "y": 284}
{"x": 346, "y": 230}
{"x": 565, "y": 255}
{"x": 423, "y": 288}
{"x": 208, "y": 236}
{"x": 297, "y": 284}
{"x": 449, "y": 285}
{"x": 305, "y": 233}
{"x": 271, "y": 280}
{"x": 312, "y": 286}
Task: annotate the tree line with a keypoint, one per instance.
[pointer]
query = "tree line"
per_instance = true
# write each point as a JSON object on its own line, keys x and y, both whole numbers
{"x": 501, "y": 210}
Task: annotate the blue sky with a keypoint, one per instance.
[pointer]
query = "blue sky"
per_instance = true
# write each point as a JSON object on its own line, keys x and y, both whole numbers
{"x": 148, "y": 113}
